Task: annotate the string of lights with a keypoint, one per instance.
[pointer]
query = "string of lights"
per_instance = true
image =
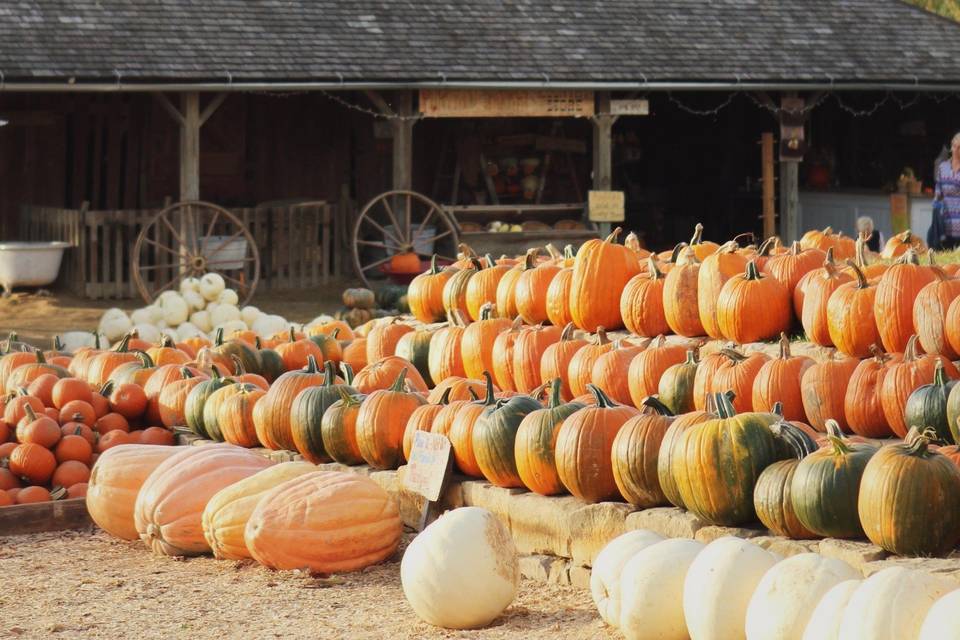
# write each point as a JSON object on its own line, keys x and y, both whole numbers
{"x": 369, "y": 112}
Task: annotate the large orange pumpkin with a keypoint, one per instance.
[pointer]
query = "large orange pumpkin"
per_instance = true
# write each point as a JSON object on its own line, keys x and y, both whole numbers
{"x": 903, "y": 377}
{"x": 753, "y": 307}
{"x": 820, "y": 285}
{"x": 33, "y": 462}
{"x": 641, "y": 303}
{"x": 171, "y": 403}
{"x": 580, "y": 369}
{"x": 851, "y": 322}
{"x": 558, "y": 293}
{"x": 170, "y": 505}
{"x": 646, "y": 368}
{"x": 425, "y": 293}
{"x": 381, "y": 374}
{"x": 482, "y": 287}
{"x": 530, "y": 293}
{"x": 528, "y": 352}
{"x": 271, "y": 414}
{"x": 445, "y": 359}
{"x": 680, "y": 296}
{"x": 737, "y": 373}
{"x": 382, "y": 419}
{"x": 790, "y": 267}
{"x": 779, "y": 381}
{"x": 506, "y": 288}
{"x": 823, "y": 388}
{"x": 458, "y": 424}
{"x": 930, "y": 313}
{"x": 714, "y": 272}
{"x": 455, "y": 290}
{"x": 635, "y": 454}
{"x": 862, "y": 402}
{"x": 610, "y": 370}
{"x": 325, "y": 522}
{"x": 600, "y": 271}
{"x": 476, "y": 346}
{"x": 382, "y": 339}
{"x": 555, "y": 362}
{"x": 502, "y": 355}
{"x": 584, "y": 446}
{"x": 703, "y": 379}
{"x": 422, "y": 420}
{"x": 899, "y": 244}
{"x": 896, "y": 292}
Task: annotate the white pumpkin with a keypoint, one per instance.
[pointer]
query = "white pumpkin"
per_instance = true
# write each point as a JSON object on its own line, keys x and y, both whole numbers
{"x": 229, "y": 328}
{"x": 201, "y": 319}
{"x": 891, "y": 604}
{"x": 605, "y": 576}
{"x": 156, "y": 313}
{"x": 651, "y": 590}
{"x": 228, "y": 296}
{"x": 175, "y": 310}
{"x": 718, "y": 587}
{"x": 267, "y": 325}
{"x": 825, "y": 620}
{"x": 788, "y": 593}
{"x": 249, "y": 315}
{"x": 142, "y": 315}
{"x": 148, "y": 332}
{"x": 73, "y": 340}
{"x": 114, "y": 324}
{"x": 462, "y": 571}
{"x": 211, "y": 285}
{"x": 194, "y": 300}
{"x": 188, "y": 330}
{"x": 166, "y": 294}
{"x": 189, "y": 284}
{"x": 224, "y": 313}
{"x": 942, "y": 622}
{"x": 323, "y": 318}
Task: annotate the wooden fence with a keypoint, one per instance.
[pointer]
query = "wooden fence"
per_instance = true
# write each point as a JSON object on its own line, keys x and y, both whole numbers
{"x": 294, "y": 241}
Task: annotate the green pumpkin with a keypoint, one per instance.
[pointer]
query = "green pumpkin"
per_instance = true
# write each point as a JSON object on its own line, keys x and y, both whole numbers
{"x": 213, "y": 403}
{"x": 721, "y": 461}
{"x": 338, "y": 428}
{"x": 494, "y": 438}
{"x": 635, "y": 453}
{"x": 193, "y": 408}
{"x": 676, "y": 385}
{"x": 271, "y": 364}
{"x": 237, "y": 349}
{"x": 415, "y": 348}
{"x": 329, "y": 346}
{"x": 403, "y": 304}
{"x": 771, "y": 501}
{"x": 306, "y": 414}
{"x": 388, "y": 296}
{"x": 536, "y": 443}
{"x": 932, "y": 405}
{"x": 826, "y": 486}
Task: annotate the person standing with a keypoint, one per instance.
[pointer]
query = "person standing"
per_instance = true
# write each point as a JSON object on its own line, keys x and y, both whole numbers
{"x": 871, "y": 236}
{"x": 946, "y": 196}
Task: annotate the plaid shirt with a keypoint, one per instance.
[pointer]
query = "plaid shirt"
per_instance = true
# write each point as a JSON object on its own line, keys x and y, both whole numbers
{"x": 948, "y": 187}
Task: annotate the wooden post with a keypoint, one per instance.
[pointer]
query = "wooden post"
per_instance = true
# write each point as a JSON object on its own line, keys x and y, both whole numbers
{"x": 403, "y": 142}
{"x": 190, "y": 147}
{"x": 789, "y": 201}
{"x": 766, "y": 172}
{"x": 603, "y": 149}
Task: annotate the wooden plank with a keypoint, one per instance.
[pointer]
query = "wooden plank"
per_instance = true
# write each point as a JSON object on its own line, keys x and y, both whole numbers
{"x": 59, "y": 515}
{"x": 459, "y": 103}
{"x": 121, "y": 240}
{"x": 766, "y": 172}
{"x": 403, "y": 143}
{"x": 789, "y": 201}
{"x": 93, "y": 276}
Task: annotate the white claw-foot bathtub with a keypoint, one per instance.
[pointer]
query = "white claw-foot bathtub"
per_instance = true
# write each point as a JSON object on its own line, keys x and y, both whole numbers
{"x": 29, "y": 264}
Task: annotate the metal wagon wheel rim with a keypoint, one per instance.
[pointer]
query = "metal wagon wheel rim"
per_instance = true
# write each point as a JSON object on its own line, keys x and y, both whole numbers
{"x": 400, "y": 215}
{"x": 191, "y": 256}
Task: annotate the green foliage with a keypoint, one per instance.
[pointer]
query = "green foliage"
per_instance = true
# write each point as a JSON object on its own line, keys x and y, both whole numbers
{"x": 947, "y": 8}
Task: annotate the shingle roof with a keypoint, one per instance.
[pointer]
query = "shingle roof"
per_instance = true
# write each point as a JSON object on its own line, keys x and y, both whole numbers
{"x": 475, "y": 40}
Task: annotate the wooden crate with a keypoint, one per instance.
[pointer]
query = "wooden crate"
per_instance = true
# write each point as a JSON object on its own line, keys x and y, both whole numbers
{"x": 44, "y": 516}
{"x": 294, "y": 242}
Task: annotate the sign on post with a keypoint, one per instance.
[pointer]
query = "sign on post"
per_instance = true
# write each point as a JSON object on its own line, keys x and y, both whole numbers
{"x": 471, "y": 103}
{"x": 428, "y": 469}
{"x": 638, "y": 107}
{"x": 605, "y": 206}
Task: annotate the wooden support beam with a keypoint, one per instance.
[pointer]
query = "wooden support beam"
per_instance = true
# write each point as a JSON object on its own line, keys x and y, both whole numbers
{"x": 403, "y": 142}
{"x": 603, "y": 123}
{"x": 789, "y": 201}
{"x": 170, "y": 108}
{"x": 190, "y": 147}
{"x": 379, "y": 103}
{"x": 212, "y": 107}
{"x": 769, "y": 196}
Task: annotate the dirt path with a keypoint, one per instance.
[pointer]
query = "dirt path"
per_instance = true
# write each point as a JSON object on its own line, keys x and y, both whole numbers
{"x": 84, "y": 584}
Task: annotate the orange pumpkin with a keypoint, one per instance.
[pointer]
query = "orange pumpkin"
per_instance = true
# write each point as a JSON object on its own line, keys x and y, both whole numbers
{"x": 530, "y": 292}
{"x": 235, "y": 417}
{"x": 862, "y": 403}
{"x": 635, "y": 454}
{"x": 458, "y": 388}
{"x": 930, "y": 313}
{"x": 778, "y": 381}
{"x": 753, "y": 307}
{"x": 324, "y": 522}
{"x": 271, "y": 414}
{"x": 737, "y": 373}
{"x": 646, "y": 368}
{"x": 506, "y": 289}
{"x": 558, "y": 293}
{"x": 714, "y": 272}
{"x": 482, "y": 287}
{"x": 601, "y": 270}
{"x": 462, "y": 420}
{"x": 580, "y": 369}
{"x": 641, "y": 303}
{"x": 445, "y": 358}
{"x": 820, "y": 285}
{"x": 296, "y": 352}
{"x": 355, "y": 353}
{"x": 899, "y": 244}
{"x": 381, "y": 423}
{"x": 455, "y": 290}
{"x": 422, "y": 420}
{"x": 584, "y": 447}
{"x": 33, "y": 462}
{"x": 169, "y": 508}
{"x": 425, "y": 293}
{"x": 103, "y": 364}
{"x": 790, "y": 267}
{"x": 610, "y": 370}
{"x": 476, "y": 346}
{"x": 381, "y": 374}
{"x": 528, "y": 351}
{"x": 896, "y": 292}
{"x": 172, "y": 401}
{"x": 680, "y": 296}
{"x": 823, "y": 388}
{"x": 555, "y": 362}
{"x": 502, "y": 355}
{"x": 851, "y": 322}
{"x": 902, "y": 379}
{"x": 166, "y": 352}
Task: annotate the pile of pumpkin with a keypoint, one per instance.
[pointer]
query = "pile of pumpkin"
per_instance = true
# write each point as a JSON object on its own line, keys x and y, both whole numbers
{"x": 362, "y": 305}
{"x": 55, "y": 424}
{"x": 676, "y": 589}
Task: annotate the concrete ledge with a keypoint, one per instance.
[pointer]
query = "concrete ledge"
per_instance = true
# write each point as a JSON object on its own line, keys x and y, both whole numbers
{"x": 558, "y": 537}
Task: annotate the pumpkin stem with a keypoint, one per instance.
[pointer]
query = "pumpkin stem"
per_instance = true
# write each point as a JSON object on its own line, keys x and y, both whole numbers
{"x": 530, "y": 259}
{"x": 434, "y": 267}
{"x": 691, "y": 357}
{"x": 652, "y": 269}
{"x": 861, "y": 279}
{"x": 766, "y": 247}
{"x": 697, "y": 235}
{"x": 910, "y": 353}
{"x": 486, "y": 310}
{"x": 311, "y": 365}
{"x": 398, "y": 384}
{"x": 57, "y": 345}
{"x": 329, "y": 373}
{"x": 473, "y": 394}
{"x": 238, "y": 369}
{"x": 146, "y": 362}
{"x": 40, "y": 358}
{"x": 828, "y": 264}
{"x": 257, "y": 343}
{"x": 30, "y": 413}
{"x": 939, "y": 375}
{"x": 778, "y": 408}
{"x": 603, "y": 401}
{"x": 218, "y": 337}
{"x": 659, "y": 341}
{"x": 833, "y": 429}
{"x": 167, "y": 342}
{"x": 602, "y": 338}
{"x": 553, "y": 252}
{"x": 293, "y": 336}
{"x": 123, "y": 345}
{"x": 445, "y": 397}
{"x": 517, "y": 324}
{"x": 347, "y": 372}
{"x": 568, "y": 252}
{"x": 752, "y": 272}
{"x": 784, "y": 346}
{"x": 839, "y": 446}
{"x": 653, "y": 403}
{"x": 555, "y": 399}
{"x": 725, "y": 406}
{"x": 613, "y": 235}
{"x": 214, "y": 372}
{"x": 567, "y": 333}
{"x": 733, "y": 354}
{"x": 675, "y": 254}
{"x": 491, "y": 398}
{"x": 909, "y": 257}
{"x": 334, "y": 333}
{"x": 96, "y": 340}
{"x": 801, "y": 444}
{"x": 916, "y": 443}
{"x": 185, "y": 373}
{"x": 795, "y": 248}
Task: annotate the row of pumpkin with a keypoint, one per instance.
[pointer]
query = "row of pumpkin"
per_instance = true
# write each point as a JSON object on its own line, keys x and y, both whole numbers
{"x": 706, "y": 289}
{"x": 679, "y": 589}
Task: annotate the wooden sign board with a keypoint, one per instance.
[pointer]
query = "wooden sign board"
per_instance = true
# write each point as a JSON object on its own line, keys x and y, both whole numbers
{"x": 470, "y": 103}
{"x": 605, "y": 206}
{"x": 793, "y": 144}
{"x": 639, "y": 107}
{"x": 429, "y": 465}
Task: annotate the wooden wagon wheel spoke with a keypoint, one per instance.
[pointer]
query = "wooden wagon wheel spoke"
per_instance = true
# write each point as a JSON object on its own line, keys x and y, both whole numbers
{"x": 396, "y": 224}
{"x": 169, "y": 284}
{"x": 230, "y": 261}
{"x": 223, "y": 244}
{"x": 377, "y": 263}
{"x": 162, "y": 247}
{"x": 423, "y": 223}
{"x": 408, "y": 213}
{"x": 168, "y": 265}
{"x": 210, "y": 227}
{"x": 449, "y": 232}
{"x": 242, "y": 285}
{"x": 371, "y": 243}
{"x": 382, "y": 230}
{"x": 173, "y": 231}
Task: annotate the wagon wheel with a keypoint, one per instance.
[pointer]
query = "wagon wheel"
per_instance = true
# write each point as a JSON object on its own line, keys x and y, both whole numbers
{"x": 189, "y": 239}
{"x": 389, "y": 223}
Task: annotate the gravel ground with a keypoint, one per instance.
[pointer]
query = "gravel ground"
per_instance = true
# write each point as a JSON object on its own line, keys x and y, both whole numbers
{"x": 85, "y": 584}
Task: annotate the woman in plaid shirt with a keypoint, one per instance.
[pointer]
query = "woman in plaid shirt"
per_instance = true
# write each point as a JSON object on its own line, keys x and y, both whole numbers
{"x": 948, "y": 191}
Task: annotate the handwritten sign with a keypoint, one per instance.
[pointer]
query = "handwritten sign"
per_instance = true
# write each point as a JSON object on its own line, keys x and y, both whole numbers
{"x": 429, "y": 465}
{"x": 638, "y": 107}
{"x": 469, "y": 103}
{"x": 605, "y": 206}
